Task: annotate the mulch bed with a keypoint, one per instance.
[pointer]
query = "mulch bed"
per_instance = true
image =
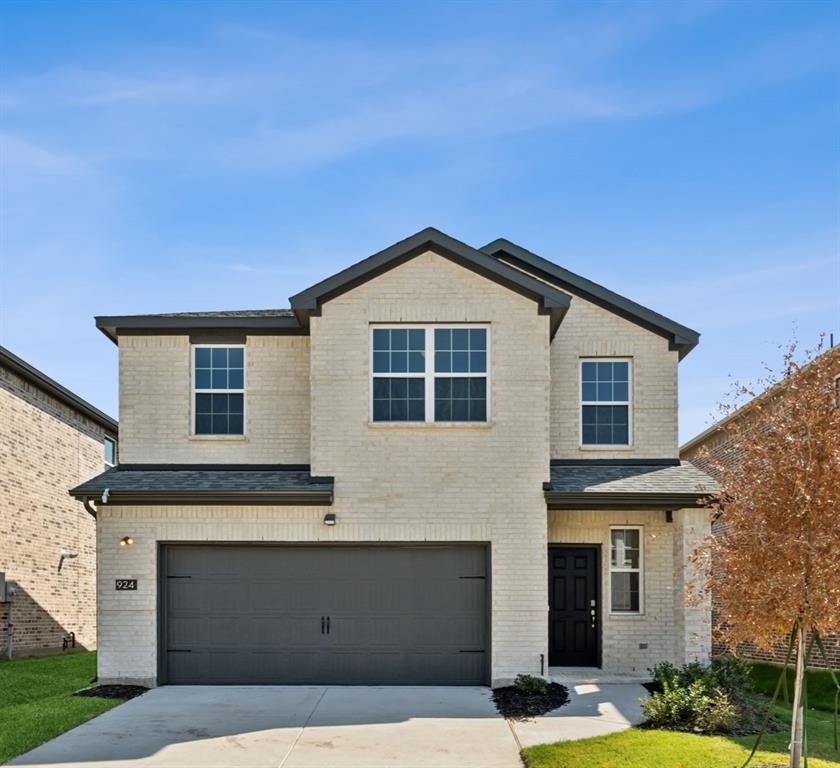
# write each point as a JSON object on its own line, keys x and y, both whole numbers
{"x": 519, "y": 706}
{"x": 124, "y": 692}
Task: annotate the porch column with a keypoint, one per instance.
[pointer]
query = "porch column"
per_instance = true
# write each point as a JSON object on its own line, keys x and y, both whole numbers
{"x": 692, "y": 621}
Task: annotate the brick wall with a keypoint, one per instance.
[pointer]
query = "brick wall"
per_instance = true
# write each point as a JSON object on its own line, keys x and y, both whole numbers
{"x": 590, "y": 331}
{"x": 155, "y": 403}
{"x": 45, "y": 449}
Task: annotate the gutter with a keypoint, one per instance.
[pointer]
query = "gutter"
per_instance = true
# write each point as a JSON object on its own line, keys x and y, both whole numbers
{"x": 322, "y": 496}
{"x": 622, "y": 501}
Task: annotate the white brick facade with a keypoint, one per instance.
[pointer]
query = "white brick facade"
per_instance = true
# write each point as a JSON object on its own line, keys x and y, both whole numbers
{"x": 308, "y": 402}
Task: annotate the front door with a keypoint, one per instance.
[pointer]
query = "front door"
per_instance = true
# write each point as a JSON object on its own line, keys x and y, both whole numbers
{"x": 573, "y": 614}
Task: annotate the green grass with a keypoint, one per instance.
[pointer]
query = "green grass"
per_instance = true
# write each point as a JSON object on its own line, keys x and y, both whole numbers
{"x": 821, "y": 688}
{"x": 36, "y": 701}
{"x": 637, "y": 748}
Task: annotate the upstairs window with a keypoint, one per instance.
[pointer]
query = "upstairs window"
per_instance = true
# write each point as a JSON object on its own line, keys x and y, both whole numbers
{"x": 605, "y": 403}
{"x": 625, "y": 570}
{"x": 219, "y": 390}
{"x": 429, "y": 373}
{"x": 109, "y": 446}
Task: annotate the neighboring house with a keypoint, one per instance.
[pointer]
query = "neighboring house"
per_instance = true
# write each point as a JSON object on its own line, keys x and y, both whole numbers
{"x": 713, "y": 448}
{"x": 49, "y": 439}
{"x": 441, "y": 465}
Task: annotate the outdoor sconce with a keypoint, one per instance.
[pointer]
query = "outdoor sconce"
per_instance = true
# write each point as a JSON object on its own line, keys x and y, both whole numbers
{"x": 329, "y": 518}
{"x": 126, "y": 541}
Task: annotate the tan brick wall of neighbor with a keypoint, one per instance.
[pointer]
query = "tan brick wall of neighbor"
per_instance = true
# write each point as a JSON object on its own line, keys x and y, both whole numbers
{"x": 156, "y": 409}
{"x": 662, "y": 587}
{"x": 590, "y": 331}
{"x": 45, "y": 449}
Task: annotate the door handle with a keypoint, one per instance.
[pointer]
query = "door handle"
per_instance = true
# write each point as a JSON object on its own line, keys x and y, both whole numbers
{"x": 322, "y": 625}
{"x": 328, "y": 624}
{"x": 592, "y": 614}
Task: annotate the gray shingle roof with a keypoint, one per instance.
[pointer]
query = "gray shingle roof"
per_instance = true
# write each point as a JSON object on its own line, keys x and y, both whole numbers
{"x": 159, "y": 483}
{"x": 630, "y": 484}
{"x": 226, "y": 313}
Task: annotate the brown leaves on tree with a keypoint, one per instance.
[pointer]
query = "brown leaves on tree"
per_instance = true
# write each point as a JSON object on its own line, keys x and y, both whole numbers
{"x": 776, "y": 540}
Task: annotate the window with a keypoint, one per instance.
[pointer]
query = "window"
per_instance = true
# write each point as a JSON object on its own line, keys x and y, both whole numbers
{"x": 110, "y": 451}
{"x": 837, "y": 391}
{"x": 429, "y": 374}
{"x": 605, "y": 402}
{"x": 219, "y": 390}
{"x": 625, "y": 570}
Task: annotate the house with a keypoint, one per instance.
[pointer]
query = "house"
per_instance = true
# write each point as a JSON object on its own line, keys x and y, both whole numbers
{"x": 715, "y": 449}
{"x": 49, "y": 439}
{"x": 441, "y": 465}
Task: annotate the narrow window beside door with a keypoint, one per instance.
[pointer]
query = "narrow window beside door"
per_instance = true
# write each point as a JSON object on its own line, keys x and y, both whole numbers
{"x": 626, "y": 570}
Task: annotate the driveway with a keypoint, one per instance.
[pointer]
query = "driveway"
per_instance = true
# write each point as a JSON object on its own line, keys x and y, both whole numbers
{"x": 326, "y": 727}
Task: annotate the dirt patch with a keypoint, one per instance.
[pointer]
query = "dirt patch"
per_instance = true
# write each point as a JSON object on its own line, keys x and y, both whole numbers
{"x": 515, "y": 705}
{"x": 123, "y": 692}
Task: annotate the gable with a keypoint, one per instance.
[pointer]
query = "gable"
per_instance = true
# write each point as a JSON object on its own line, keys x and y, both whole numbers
{"x": 680, "y": 338}
{"x": 549, "y": 300}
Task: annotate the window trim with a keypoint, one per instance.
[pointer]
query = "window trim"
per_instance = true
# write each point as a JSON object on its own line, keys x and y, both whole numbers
{"x": 194, "y": 391}
{"x": 640, "y": 570}
{"x": 629, "y": 403}
{"x": 429, "y": 375}
{"x": 105, "y": 440}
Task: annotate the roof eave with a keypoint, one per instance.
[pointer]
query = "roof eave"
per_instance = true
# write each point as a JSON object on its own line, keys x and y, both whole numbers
{"x": 112, "y": 326}
{"x": 680, "y": 338}
{"x": 550, "y": 300}
{"x": 31, "y": 374}
{"x": 622, "y": 501}
{"x": 316, "y": 497}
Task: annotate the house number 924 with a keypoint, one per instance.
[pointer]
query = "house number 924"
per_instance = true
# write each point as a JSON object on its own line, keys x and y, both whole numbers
{"x": 123, "y": 584}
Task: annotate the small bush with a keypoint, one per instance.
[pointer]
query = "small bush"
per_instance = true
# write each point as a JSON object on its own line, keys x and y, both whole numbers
{"x": 698, "y": 697}
{"x": 530, "y": 685}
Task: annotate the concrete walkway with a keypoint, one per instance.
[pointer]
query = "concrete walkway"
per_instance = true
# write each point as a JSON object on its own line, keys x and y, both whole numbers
{"x": 593, "y": 710}
{"x": 326, "y": 727}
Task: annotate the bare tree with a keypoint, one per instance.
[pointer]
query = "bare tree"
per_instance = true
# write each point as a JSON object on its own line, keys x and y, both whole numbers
{"x": 776, "y": 541}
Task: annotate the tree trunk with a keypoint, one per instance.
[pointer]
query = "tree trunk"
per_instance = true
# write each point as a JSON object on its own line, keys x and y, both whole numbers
{"x": 798, "y": 720}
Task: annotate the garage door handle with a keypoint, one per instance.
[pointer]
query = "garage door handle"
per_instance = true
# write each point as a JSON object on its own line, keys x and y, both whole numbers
{"x": 328, "y": 624}
{"x": 322, "y": 625}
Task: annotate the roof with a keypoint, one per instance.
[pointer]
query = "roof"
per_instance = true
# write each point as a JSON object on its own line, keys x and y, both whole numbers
{"x": 253, "y": 320}
{"x": 680, "y": 337}
{"x": 626, "y": 484}
{"x": 54, "y": 389}
{"x": 550, "y": 300}
{"x": 502, "y": 261}
{"x": 207, "y": 484}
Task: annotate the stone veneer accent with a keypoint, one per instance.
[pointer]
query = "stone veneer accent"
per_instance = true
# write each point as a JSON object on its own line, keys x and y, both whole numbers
{"x": 46, "y": 448}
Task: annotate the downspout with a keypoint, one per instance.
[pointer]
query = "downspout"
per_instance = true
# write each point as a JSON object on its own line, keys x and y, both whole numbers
{"x": 89, "y": 506}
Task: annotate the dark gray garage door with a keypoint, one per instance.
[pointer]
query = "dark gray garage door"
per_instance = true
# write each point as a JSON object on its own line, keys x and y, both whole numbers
{"x": 316, "y": 614}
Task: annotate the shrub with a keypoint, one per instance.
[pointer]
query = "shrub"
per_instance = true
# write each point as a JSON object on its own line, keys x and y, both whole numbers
{"x": 698, "y": 697}
{"x": 531, "y": 686}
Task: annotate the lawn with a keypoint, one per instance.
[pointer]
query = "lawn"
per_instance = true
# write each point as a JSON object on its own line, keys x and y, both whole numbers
{"x": 36, "y": 702}
{"x": 637, "y": 748}
{"x": 821, "y": 688}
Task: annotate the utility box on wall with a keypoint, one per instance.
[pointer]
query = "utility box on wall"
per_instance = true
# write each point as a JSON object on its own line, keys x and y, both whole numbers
{"x": 2, "y": 587}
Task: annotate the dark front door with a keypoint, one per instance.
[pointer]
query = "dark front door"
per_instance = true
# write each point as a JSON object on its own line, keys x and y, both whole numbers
{"x": 573, "y": 615}
{"x": 361, "y": 615}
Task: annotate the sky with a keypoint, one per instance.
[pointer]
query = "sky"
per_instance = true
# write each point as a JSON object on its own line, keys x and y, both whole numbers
{"x": 160, "y": 157}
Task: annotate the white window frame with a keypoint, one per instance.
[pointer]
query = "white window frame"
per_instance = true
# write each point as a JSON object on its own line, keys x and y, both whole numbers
{"x": 194, "y": 391}
{"x": 105, "y": 440}
{"x": 615, "y": 569}
{"x": 430, "y": 374}
{"x": 628, "y": 403}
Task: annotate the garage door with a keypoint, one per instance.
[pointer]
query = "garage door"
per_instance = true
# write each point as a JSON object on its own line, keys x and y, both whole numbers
{"x": 364, "y": 615}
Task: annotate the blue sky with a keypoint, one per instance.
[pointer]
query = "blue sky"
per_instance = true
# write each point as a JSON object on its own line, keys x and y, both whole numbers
{"x": 169, "y": 157}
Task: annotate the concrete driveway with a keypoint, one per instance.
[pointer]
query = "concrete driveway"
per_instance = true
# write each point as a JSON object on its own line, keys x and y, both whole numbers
{"x": 290, "y": 727}
{"x": 327, "y": 727}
